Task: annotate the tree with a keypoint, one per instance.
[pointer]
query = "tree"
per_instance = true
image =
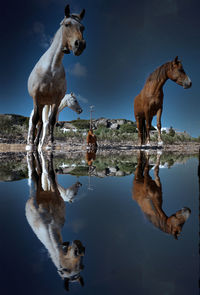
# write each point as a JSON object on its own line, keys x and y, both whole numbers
{"x": 171, "y": 132}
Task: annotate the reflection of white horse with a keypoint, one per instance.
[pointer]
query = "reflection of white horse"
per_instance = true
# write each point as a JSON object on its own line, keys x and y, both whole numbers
{"x": 45, "y": 212}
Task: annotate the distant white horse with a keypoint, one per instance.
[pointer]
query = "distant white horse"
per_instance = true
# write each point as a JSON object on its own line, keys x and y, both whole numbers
{"x": 69, "y": 101}
{"x": 47, "y": 82}
{"x": 45, "y": 212}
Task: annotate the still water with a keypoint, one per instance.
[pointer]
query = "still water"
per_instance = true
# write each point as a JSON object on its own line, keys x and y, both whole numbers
{"x": 115, "y": 227}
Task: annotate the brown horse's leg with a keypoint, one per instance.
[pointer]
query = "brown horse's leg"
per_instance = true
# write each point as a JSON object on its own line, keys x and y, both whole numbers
{"x": 52, "y": 122}
{"x": 140, "y": 131}
{"x": 148, "y": 127}
{"x": 140, "y": 166}
{"x": 159, "y": 113}
{"x": 33, "y": 122}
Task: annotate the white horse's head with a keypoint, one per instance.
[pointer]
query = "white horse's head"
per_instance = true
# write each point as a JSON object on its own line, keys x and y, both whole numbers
{"x": 72, "y": 32}
{"x": 71, "y": 262}
{"x": 73, "y": 103}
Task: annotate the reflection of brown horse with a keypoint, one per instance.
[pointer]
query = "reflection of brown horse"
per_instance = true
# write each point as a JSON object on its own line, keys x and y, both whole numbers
{"x": 148, "y": 194}
{"x": 150, "y": 100}
{"x": 90, "y": 157}
{"x": 45, "y": 212}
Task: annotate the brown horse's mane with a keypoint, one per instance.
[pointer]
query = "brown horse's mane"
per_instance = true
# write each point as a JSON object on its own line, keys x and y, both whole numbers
{"x": 159, "y": 73}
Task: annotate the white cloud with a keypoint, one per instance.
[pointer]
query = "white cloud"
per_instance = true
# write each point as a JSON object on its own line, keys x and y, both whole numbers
{"x": 78, "y": 70}
{"x": 81, "y": 98}
{"x": 39, "y": 30}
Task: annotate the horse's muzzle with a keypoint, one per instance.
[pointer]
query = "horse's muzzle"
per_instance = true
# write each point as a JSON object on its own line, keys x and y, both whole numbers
{"x": 79, "y": 111}
{"x": 79, "y": 46}
{"x": 187, "y": 85}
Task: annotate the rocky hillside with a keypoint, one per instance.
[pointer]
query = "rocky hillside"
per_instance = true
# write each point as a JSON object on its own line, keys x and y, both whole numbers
{"x": 14, "y": 128}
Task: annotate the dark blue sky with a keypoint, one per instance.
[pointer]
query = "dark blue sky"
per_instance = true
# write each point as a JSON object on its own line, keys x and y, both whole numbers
{"x": 126, "y": 41}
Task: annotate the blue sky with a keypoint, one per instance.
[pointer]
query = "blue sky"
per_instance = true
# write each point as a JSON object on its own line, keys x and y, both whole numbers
{"x": 126, "y": 41}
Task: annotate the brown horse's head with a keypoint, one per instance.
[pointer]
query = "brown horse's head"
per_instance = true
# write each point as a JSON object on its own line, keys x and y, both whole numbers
{"x": 72, "y": 32}
{"x": 177, "y": 74}
{"x": 176, "y": 221}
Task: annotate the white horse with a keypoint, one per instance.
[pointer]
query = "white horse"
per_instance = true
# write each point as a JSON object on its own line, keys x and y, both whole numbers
{"x": 45, "y": 212}
{"x": 47, "y": 82}
{"x": 69, "y": 101}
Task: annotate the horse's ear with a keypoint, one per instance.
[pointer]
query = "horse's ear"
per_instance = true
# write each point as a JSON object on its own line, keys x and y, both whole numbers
{"x": 66, "y": 284}
{"x": 81, "y": 15}
{"x": 67, "y": 11}
{"x": 71, "y": 93}
{"x": 176, "y": 60}
{"x": 81, "y": 281}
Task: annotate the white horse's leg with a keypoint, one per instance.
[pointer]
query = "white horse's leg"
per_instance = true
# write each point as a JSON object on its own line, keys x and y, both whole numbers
{"x": 52, "y": 122}
{"x": 45, "y": 118}
{"x": 45, "y": 175}
{"x": 28, "y": 147}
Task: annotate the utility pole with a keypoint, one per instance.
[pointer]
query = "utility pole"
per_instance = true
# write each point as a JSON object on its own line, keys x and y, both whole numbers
{"x": 91, "y": 110}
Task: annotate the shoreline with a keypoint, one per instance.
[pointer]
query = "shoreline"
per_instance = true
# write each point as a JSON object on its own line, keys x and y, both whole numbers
{"x": 107, "y": 147}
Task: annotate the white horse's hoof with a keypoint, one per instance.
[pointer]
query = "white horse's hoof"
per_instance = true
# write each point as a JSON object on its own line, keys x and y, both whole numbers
{"x": 160, "y": 142}
{"x": 159, "y": 152}
{"x": 48, "y": 147}
{"x": 29, "y": 147}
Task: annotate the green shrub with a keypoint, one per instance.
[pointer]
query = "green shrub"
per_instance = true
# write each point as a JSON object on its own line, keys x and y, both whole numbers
{"x": 128, "y": 128}
{"x": 81, "y": 124}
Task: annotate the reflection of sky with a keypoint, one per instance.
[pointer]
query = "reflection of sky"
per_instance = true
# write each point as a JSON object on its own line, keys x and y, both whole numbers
{"x": 126, "y": 41}
{"x": 124, "y": 253}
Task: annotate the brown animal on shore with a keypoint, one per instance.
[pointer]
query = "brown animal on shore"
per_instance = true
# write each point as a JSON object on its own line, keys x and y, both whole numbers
{"x": 91, "y": 141}
{"x": 148, "y": 194}
{"x": 150, "y": 100}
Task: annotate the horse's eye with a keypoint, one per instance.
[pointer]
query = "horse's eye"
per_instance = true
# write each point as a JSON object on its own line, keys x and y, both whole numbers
{"x": 67, "y": 25}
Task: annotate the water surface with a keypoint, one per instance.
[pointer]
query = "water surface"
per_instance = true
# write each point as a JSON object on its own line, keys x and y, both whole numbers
{"x": 125, "y": 252}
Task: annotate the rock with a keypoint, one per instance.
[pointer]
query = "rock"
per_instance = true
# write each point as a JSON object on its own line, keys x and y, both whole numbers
{"x": 114, "y": 126}
{"x": 121, "y": 121}
{"x": 113, "y": 169}
{"x": 101, "y": 121}
{"x": 120, "y": 173}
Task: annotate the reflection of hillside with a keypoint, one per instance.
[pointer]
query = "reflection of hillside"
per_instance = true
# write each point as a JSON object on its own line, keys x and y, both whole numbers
{"x": 13, "y": 165}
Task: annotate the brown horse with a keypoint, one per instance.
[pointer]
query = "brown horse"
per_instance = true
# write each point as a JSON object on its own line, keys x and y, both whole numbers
{"x": 47, "y": 82}
{"x": 150, "y": 100}
{"x": 148, "y": 194}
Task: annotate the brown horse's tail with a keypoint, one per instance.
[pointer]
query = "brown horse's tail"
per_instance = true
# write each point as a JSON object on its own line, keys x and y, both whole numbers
{"x": 144, "y": 131}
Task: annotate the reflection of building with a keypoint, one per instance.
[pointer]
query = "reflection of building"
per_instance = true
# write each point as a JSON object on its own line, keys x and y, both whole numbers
{"x": 148, "y": 194}
{"x": 45, "y": 212}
